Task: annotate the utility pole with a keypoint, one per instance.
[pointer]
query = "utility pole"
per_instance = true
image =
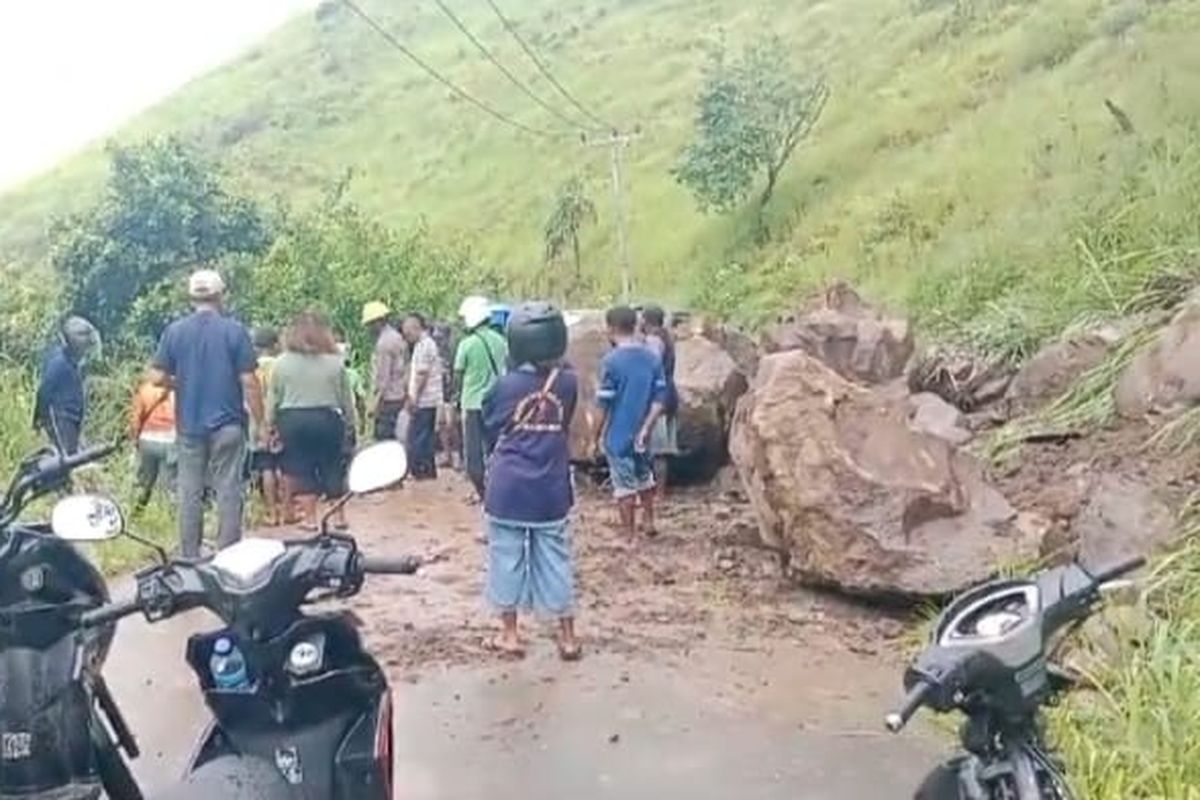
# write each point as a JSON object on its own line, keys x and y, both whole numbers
{"x": 618, "y": 141}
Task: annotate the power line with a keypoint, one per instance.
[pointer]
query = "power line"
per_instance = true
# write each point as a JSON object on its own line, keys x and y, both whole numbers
{"x": 542, "y": 68}
{"x": 437, "y": 76}
{"x": 482, "y": 48}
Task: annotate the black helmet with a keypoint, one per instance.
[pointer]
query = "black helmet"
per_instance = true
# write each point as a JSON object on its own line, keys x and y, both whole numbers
{"x": 537, "y": 333}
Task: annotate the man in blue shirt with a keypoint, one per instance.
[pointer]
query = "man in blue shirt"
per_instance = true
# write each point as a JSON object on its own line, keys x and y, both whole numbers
{"x": 630, "y": 397}
{"x": 61, "y": 401}
{"x": 210, "y": 361}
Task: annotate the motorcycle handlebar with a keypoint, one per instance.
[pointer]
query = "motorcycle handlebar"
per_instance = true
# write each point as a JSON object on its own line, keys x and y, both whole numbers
{"x": 76, "y": 460}
{"x": 404, "y": 565}
{"x": 109, "y": 613}
{"x": 915, "y": 698}
{"x": 1117, "y": 570}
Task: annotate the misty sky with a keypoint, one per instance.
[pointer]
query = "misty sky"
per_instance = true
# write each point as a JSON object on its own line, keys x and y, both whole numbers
{"x": 72, "y": 70}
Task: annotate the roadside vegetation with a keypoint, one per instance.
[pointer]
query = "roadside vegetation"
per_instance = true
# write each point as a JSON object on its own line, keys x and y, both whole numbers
{"x": 1135, "y": 735}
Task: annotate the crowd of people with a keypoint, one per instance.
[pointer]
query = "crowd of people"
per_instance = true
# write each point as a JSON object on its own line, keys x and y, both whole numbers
{"x": 221, "y": 408}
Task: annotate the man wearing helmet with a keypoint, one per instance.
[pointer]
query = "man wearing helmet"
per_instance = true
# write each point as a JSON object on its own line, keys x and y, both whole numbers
{"x": 528, "y": 496}
{"x": 479, "y": 361}
{"x": 61, "y": 401}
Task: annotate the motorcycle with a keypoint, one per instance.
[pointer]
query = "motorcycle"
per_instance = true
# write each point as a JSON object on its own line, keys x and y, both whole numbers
{"x": 300, "y": 708}
{"x": 989, "y": 660}
{"x": 61, "y": 733}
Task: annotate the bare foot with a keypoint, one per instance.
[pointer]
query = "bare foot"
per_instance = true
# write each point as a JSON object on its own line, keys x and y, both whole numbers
{"x": 505, "y": 645}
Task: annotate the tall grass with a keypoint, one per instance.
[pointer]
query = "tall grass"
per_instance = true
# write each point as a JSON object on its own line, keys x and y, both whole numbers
{"x": 115, "y": 477}
{"x": 1137, "y": 737}
{"x": 1087, "y": 404}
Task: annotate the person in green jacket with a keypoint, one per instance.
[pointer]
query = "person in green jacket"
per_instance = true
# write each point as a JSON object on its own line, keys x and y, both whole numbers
{"x": 479, "y": 361}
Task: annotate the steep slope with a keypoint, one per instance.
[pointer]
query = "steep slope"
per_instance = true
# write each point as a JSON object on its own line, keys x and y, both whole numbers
{"x": 966, "y": 153}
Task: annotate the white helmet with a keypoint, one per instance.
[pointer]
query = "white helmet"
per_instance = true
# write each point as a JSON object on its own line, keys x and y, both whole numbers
{"x": 475, "y": 310}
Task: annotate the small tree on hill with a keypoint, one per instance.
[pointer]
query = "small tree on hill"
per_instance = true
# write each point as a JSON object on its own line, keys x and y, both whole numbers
{"x": 750, "y": 116}
{"x": 572, "y": 210}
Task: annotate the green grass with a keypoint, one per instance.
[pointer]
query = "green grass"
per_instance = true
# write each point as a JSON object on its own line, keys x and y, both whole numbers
{"x": 966, "y": 170}
{"x": 1137, "y": 737}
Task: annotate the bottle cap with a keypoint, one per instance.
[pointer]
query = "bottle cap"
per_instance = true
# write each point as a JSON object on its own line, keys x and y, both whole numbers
{"x": 222, "y": 646}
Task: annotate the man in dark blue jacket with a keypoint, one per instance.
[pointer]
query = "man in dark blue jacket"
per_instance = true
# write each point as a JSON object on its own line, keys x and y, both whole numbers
{"x": 61, "y": 400}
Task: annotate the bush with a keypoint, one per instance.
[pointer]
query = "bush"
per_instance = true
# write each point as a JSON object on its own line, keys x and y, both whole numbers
{"x": 336, "y": 259}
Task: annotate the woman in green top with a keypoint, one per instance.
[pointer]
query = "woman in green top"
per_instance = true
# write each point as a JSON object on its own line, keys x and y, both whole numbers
{"x": 311, "y": 408}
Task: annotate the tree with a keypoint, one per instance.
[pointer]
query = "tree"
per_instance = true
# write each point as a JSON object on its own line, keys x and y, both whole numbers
{"x": 163, "y": 212}
{"x": 335, "y": 258}
{"x": 750, "y": 117}
{"x": 572, "y": 210}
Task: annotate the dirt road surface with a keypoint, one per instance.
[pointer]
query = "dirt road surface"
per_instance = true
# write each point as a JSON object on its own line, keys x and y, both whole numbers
{"x": 703, "y": 677}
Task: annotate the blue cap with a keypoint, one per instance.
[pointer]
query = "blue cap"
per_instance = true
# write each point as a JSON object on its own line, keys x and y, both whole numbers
{"x": 223, "y": 646}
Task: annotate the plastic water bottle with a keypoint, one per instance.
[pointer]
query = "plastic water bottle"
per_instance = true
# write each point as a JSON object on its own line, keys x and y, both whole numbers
{"x": 228, "y": 666}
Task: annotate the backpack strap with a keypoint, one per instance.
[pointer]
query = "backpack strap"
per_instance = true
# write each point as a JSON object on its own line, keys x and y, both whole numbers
{"x": 491, "y": 359}
{"x": 529, "y": 406}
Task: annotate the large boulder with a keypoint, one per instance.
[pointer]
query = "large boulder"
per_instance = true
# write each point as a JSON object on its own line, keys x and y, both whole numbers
{"x": 740, "y": 346}
{"x": 1165, "y": 375}
{"x": 862, "y": 501}
{"x": 587, "y": 342}
{"x": 709, "y": 384}
{"x": 856, "y": 341}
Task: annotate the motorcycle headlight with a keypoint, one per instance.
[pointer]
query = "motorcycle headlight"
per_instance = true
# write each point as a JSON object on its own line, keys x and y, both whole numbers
{"x": 307, "y": 657}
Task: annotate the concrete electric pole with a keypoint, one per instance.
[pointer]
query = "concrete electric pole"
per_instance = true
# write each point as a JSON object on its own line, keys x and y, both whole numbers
{"x": 618, "y": 141}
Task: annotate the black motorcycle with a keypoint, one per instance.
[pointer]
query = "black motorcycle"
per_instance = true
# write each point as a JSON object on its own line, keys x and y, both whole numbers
{"x": 61, "y": 733}
{"x": 988, "y": 659}
{"x": 301, "y": 709}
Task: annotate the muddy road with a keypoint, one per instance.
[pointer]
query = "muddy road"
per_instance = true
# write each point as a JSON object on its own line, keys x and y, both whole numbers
{"x": 702, "y": 676}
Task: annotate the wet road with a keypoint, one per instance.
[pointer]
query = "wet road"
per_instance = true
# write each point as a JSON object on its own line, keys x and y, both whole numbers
{"x": 705, "y": 725}
{"x": 695, "y": 685}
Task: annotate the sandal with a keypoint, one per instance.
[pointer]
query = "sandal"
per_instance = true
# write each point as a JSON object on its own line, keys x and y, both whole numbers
{"x": 493, "y": 644}
{"x": 572, "y": 652}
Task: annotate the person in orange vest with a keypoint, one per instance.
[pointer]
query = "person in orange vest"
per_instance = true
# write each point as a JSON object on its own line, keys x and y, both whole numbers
{"x": 152, "y": 426}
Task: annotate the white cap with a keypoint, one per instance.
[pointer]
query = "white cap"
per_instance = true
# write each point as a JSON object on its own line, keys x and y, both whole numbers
{"x": 205, "y": 284}
{"x": 475, "y": 311}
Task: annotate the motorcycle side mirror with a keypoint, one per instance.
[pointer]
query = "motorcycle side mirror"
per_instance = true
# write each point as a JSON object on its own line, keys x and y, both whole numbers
{"x": 377, "y": 467}
{"x": 87, "y": 518}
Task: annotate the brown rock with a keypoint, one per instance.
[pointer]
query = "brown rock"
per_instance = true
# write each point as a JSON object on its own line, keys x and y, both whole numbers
{"x": 863, "y": 502}
{"x": 1121, "y": 517}
{"x": 587, "y": 342}
{"x": 933, "y": 415}
{"x": 855, "y": 341}
{"x": 1056, "y": 367}
{"x": 740, "y": 346}
{"x": 1166, "y": 374}
{"x": 709, "y": 384}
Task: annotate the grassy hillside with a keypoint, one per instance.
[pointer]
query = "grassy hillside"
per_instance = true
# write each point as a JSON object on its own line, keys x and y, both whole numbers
{"x": 966, "y": 167}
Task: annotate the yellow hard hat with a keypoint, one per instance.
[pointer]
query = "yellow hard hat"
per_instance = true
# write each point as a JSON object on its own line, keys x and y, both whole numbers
{"x": 374, "y": 311}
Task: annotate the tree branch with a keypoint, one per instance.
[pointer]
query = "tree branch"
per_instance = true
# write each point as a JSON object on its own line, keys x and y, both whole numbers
{"x": 798, "y": 132}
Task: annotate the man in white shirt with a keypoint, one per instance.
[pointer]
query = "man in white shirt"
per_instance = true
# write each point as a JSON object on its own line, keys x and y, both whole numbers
{"x": 425, "y": 397}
